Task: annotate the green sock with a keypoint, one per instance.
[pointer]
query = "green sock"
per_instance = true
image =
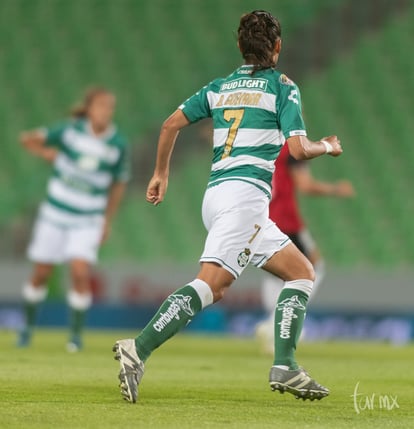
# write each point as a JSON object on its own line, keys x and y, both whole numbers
{"x": 32, "y": 298}
{"x": 30, "y": 313}
{"x": 289, "y": 317}
{"x": 77, "y": 322}
{"x": 174, "y": 314}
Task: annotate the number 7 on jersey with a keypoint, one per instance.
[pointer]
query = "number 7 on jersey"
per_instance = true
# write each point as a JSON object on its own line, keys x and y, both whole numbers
{"x": 237, "y": 116}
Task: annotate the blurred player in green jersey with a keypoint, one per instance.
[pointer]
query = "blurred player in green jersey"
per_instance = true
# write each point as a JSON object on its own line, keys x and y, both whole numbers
{"x": 254, "y": 111}
{"x": 90, "y": 171}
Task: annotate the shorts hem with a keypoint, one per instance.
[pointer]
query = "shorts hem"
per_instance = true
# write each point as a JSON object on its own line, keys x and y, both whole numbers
{"x": 266, "y": 258}
{"x": 220, "y": 262}
{"x": 45, "y": 260}
{"x": 48, "y": 261}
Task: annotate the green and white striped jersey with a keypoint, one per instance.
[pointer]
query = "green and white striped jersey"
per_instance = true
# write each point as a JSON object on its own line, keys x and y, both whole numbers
{"x": 252, "y": 116}
{"x": 83, "y": 172}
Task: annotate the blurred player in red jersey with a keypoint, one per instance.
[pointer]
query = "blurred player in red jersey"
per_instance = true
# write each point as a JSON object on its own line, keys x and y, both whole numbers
{"x": 293, "y": 175}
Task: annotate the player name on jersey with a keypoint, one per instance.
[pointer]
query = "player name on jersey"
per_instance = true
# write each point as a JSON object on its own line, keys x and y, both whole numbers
{"x": 239, "y": 98}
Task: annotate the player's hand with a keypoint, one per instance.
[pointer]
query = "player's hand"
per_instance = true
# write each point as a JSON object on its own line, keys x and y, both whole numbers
{"x": 336, "y": 145}
{"x": 344, "y": 189}
{"x": 156, "y": 190}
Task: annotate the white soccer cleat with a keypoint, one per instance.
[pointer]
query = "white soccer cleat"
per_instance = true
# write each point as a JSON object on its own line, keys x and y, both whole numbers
{"x": 132, "y": 369}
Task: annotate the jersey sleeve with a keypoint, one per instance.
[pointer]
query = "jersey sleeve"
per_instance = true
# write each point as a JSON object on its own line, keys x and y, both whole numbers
{"x": 197, "y": 106}
{"x": 289, "y": 110}
{"x": 122, "y": 169}
{"x": 54, "y": 135}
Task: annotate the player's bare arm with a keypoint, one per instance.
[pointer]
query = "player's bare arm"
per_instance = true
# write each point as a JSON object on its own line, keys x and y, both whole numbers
{"x": 344, "y": 189}
{"x": 170, "y": 129}
{"x": 301, "y": 147}
{"x": 115, "y": 196}
{"x": 34, "y": 142}
{"x": 305, "y": 183}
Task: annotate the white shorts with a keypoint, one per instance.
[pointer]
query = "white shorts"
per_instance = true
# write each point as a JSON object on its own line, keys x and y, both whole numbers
{"x": 236, "y": 215}
{"x": 53, "y": 243}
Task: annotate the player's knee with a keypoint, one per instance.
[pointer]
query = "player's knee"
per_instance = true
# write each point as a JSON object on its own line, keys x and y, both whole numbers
{"x": 306, "y": 271}
{"x": 310, "y": 272}
{"x": 219, "y": 291}
{"x": 218, "y": 279}
{"x": 218, "y": 294}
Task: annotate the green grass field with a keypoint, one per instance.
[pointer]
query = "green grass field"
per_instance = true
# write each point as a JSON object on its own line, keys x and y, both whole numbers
{"x": 201, "y": 382}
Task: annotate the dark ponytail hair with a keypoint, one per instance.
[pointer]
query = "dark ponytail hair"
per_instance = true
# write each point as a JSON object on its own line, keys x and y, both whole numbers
{"x": 257, "y": 34}
{"x": 80, "y": 111}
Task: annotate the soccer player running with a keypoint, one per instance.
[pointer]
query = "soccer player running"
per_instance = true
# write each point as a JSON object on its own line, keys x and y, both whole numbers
{"x": 254, "y": 111}
{"x": 293, "y": 175}
{"x": 90, "y": 171}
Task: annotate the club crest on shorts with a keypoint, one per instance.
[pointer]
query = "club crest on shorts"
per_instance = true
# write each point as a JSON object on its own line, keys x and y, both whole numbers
{"x": 243, "y": 257}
